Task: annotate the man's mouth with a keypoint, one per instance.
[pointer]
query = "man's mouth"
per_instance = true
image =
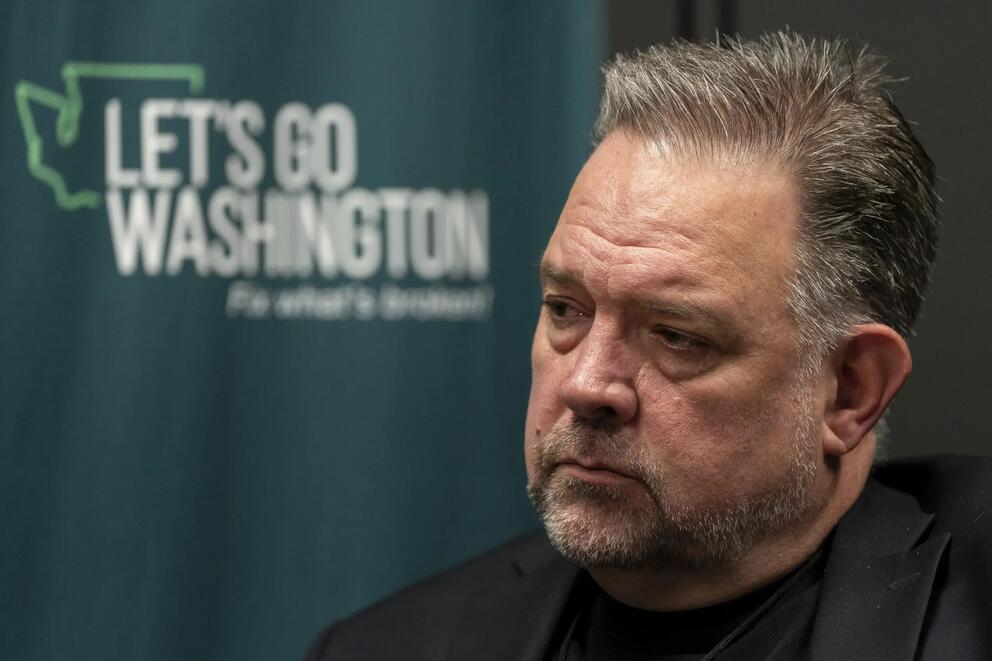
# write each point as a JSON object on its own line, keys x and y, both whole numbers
{"x": 595, "y": 472}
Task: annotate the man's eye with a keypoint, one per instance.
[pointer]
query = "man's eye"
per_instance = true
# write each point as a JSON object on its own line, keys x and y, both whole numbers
{"x": 562, "y": 310}
{"x": 679, "y": 341}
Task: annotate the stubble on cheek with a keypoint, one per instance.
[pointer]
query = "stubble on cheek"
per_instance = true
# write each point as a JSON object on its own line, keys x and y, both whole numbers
{"x": 649, "y": 522}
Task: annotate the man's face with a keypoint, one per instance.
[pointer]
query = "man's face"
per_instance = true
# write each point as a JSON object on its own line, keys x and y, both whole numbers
{"x": 667, "y": 424}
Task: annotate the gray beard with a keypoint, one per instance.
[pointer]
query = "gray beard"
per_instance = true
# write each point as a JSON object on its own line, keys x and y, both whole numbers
{"x": 598, "y": 526}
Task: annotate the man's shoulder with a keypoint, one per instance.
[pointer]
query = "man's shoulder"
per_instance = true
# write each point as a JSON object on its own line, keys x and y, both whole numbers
{"x": 953, "y": 495}
{"x": 954, "y": 487}
{"x": 420, "y": 620}
{"x": 956, "y": 490}
{"x": 494, "y": 568}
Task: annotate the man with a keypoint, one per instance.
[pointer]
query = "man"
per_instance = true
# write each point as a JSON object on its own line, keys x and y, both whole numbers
{"x": 726, "y": 298}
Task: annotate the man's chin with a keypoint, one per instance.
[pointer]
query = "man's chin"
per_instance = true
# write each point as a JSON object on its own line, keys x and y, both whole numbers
{"x": 596, "y": 546}
{"x": 594, "y": 538}
{"x": 624, "y": 527}
{"x": 599, "y": 526}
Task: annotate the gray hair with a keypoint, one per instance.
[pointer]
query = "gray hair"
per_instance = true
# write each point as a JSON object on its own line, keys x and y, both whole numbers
{"x": 818, "y": 108}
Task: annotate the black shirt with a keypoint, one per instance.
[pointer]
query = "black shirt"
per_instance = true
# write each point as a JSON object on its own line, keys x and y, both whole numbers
{"x": 773, "y": 622}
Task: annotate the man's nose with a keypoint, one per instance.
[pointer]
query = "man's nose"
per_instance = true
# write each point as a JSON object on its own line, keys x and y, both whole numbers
{"x": 601, "y": 384}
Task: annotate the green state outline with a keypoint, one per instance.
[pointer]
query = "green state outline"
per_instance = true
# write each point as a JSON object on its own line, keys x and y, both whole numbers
{"x": 70, "y": 107}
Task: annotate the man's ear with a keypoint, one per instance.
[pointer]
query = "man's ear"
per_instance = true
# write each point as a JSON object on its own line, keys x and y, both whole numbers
{"x": 869, "y": 367}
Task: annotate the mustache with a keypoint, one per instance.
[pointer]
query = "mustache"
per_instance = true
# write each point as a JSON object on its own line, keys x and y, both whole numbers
{"x": 591, "y": 443}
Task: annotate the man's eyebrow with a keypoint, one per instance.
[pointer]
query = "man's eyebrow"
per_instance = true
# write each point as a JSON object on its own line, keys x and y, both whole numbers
{"x": 683, "y": 310}
{"x": 547, "y": 272}
{"x": 714, "y": 319}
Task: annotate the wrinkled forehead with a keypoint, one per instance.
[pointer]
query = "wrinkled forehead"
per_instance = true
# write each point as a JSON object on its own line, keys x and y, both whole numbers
{"x": 631, "y": 195}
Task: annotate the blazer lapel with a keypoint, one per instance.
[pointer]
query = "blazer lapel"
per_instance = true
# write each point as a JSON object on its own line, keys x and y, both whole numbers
{"x": 878, "y": 579}
{"x": 518, "y": 621}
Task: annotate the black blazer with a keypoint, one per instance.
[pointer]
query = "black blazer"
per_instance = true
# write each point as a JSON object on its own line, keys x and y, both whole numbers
{"x": 908, "y": 576}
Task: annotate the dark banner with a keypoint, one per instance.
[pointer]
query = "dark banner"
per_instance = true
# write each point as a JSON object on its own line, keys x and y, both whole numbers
{"x": 267, "y": 286}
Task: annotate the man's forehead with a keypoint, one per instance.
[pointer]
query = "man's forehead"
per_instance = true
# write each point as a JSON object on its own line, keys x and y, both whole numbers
{"x": 630, "y": 195}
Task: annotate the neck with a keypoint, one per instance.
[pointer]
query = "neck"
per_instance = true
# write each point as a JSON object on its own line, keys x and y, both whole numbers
{"x": 679, "y": 588}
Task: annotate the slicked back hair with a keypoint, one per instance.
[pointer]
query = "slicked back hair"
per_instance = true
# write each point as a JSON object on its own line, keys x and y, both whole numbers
{"x": 819, "y": 110}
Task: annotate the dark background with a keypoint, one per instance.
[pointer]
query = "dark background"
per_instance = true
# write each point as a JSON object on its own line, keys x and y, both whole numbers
{"x": 941, "y": 48}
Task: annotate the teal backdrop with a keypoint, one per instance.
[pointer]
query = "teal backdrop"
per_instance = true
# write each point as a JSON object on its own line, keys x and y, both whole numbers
{"x": 266, "y": 293}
